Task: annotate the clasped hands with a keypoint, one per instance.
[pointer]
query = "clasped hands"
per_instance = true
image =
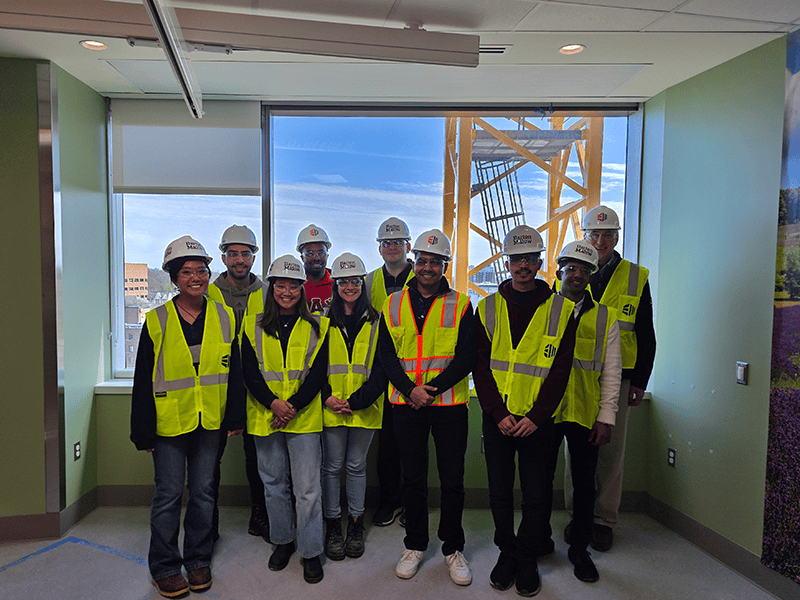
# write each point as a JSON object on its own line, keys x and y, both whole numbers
{"x": 283, "y": 412}
{"x": 339, "y": 407}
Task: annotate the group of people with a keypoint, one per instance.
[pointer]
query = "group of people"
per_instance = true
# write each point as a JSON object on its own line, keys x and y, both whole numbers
{"x": 309, "y": 365}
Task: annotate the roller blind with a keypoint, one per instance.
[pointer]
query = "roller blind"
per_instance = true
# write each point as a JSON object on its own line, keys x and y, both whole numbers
{"x": 159, "y": 148}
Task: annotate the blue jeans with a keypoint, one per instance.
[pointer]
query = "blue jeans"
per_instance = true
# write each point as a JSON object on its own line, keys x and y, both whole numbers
{"x": 300, "y": 454}
{"x": 449, "y": 426}
{"x": 344, "y": 447}
{"x": 194, "y": 453}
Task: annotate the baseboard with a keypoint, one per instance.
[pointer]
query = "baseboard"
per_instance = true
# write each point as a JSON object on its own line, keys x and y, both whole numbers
{"x": 77, "y": 510}
{"x": 727, "y": 552}
{"x": 29, "y": 527}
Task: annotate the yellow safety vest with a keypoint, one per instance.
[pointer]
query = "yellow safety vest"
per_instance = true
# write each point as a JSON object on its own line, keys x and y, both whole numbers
{"x": 184, "y": 397}
{"x": 424, "y": 356}
{"x": 519, "y": 372}
{"x": 284, "y": 374}
{"x": 255, "y": 301}
{"x": 376, "y": 287}
{"x": 581, "y": 401}
{"x": 345, "y": 376}
{"x": 623, "y": 293}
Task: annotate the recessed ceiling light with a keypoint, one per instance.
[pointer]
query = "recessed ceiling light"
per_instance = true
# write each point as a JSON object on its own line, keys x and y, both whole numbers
{"x": 93, "y": 45}
{"x": 572, "y": 48}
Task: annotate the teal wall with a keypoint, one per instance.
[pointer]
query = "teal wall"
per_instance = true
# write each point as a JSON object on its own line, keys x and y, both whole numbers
{"x": 710, "y": 184}
{"x": 22, "y": 468}
{"x": 85, "y": 281}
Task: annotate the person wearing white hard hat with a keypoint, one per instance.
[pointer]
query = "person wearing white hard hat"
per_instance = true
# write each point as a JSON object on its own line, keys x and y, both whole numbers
{"x": 313, "y": 245}
{"x": 394, "y": 244}
{"x": 187, "y": 394}
{"x": 622, "y": 285}
{"x": 285, "y": 360}
{"x": 352, "y": 405}
{"x": 426, "y": 349}
{"x": 525, "y": 338}
{"x": 586, "y": 415}
{"x": 242, "y": 291}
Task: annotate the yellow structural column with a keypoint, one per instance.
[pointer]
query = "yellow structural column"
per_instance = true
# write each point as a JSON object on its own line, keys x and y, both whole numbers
{"x": 460, "y": 277}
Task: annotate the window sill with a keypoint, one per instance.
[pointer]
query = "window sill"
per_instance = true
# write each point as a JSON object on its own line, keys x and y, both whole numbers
{"x": 115, "y": 387}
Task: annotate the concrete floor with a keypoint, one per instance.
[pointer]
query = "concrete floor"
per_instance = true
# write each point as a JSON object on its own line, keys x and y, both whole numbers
{"x": 105, "y": 556}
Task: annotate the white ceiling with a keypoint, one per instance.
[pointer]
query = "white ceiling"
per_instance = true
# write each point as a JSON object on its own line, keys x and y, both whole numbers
{"x": 634, "y": 48}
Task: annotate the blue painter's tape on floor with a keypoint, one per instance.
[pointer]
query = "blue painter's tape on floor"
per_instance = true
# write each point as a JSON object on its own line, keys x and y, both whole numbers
{"x": 74, "y": 540}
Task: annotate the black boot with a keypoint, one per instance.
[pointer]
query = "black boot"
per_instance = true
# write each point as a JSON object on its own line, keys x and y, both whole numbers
{"x": 354, "y": 546}
{"x": 334, "y": 543}
{"x": 280, "y": 556}
{"x": 259, "y": 522}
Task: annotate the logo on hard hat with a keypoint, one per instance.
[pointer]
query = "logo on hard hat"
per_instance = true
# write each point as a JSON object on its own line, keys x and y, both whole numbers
{"x": 523, "y": 239}
{"x": 168, "y": 252}
{"x": 549, "y": 351}
{"x": 628, "y": 310}
{"x": 347, "y": 264}
{"x": 433, "y": 240}
{"x": 194, "y": 246}
{"x": 602, "y": 217}
{"x": 392, "y": 227}
{"x": 583, "y": 250}
{"x": 313, "y": 232}
{"x": 290, "y": 266}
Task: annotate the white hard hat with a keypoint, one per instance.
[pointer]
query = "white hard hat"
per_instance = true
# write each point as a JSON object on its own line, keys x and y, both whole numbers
{"x": 393, "y": 229}
{"x": 579, "y": 250}
{"x": 238, "y": 234}
{"x": 286, "y": 267}
{"x": 600, "y": 217}
{"x": 311, "y": 234}
{"x": 348, "y": 265}
{"x": 433, "y": 241}
{"x": 184, "y": 247}
{"x": 523, "y": 239}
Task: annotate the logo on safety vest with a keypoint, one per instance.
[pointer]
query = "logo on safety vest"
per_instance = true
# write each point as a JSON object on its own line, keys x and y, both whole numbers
{"x": 433, "y": 240}
{"x": 602, "y": 217}
{"x": 628, "y": 310}
{"x": 549, "y": 351}
{"x": 226, "y": 360}
{"x": 160, "y": 394}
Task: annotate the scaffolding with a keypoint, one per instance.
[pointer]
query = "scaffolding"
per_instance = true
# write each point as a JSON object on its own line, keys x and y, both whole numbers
{"x": 496, "y": 156}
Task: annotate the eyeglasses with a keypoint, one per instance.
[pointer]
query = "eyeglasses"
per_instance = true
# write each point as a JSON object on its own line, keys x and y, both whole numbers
{"x": 392, "y": 243}
{"x": 434, "y": 262}
{"x": 287, "y": 287}
{"x": 529, "y": 259}
{"x": 245, "y": 254}
{"x": 315, "y": 253}
{"x": 570, "y": 269}
{"x": 199, "y": 273}
{"x": 355, "y": 281}
{"x": 606, "y": 236}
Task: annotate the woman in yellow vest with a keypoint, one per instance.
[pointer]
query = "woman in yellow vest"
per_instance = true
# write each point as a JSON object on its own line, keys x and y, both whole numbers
{"x": 187, "y": 394}
{"x": 351, "y": 414}
{"x": 285, "y": 359}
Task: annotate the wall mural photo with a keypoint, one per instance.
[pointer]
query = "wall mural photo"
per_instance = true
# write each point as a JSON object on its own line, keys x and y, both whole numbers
{"x": 781, "y": 548}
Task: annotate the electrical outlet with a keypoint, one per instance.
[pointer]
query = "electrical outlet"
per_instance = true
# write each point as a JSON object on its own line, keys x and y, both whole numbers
{"x": 671, "y": 452}
{"x": 77, "y": 448}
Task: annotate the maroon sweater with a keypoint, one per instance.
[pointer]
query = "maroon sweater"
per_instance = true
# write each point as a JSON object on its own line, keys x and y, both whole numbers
{"x": 520, "y": 314}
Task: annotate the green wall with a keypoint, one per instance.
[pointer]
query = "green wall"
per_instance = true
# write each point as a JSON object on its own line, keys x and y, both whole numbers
{"x": 21, "y": 356}
{"x": 709, "y": 216}
{"x": 85, "y": 282}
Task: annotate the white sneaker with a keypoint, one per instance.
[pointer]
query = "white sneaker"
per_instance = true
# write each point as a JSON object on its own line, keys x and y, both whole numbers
{"x": 460, "y": 572}
{"x": 409, "y": 563}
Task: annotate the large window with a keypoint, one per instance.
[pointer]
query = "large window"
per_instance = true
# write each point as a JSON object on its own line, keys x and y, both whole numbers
{"x": 347, "y": 174}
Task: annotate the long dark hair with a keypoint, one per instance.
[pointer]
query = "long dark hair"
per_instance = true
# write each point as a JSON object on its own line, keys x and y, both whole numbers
{"x": 362, "y": 306}
{"x": 270, "y": 320}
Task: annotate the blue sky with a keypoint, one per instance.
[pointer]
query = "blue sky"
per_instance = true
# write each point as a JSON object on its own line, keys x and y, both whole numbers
{"x": 347, "y": 174}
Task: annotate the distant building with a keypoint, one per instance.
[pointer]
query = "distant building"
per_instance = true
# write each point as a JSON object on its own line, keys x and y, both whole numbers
{"x": 133, "y": 332}
{"x": 136, "y": 280}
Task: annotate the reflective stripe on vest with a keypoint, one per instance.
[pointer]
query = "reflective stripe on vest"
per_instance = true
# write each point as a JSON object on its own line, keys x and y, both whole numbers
{"x": 581, "y": 401}
{"x": 424, "y": 355}
{"x": 375, "y": 285}
{"x": 346, "y": 375}
{"x": 183, "y": 396}
{"x": 623, "y": 293}
{"x": 520, "y": 371}
{"x": 284, "y": 374}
